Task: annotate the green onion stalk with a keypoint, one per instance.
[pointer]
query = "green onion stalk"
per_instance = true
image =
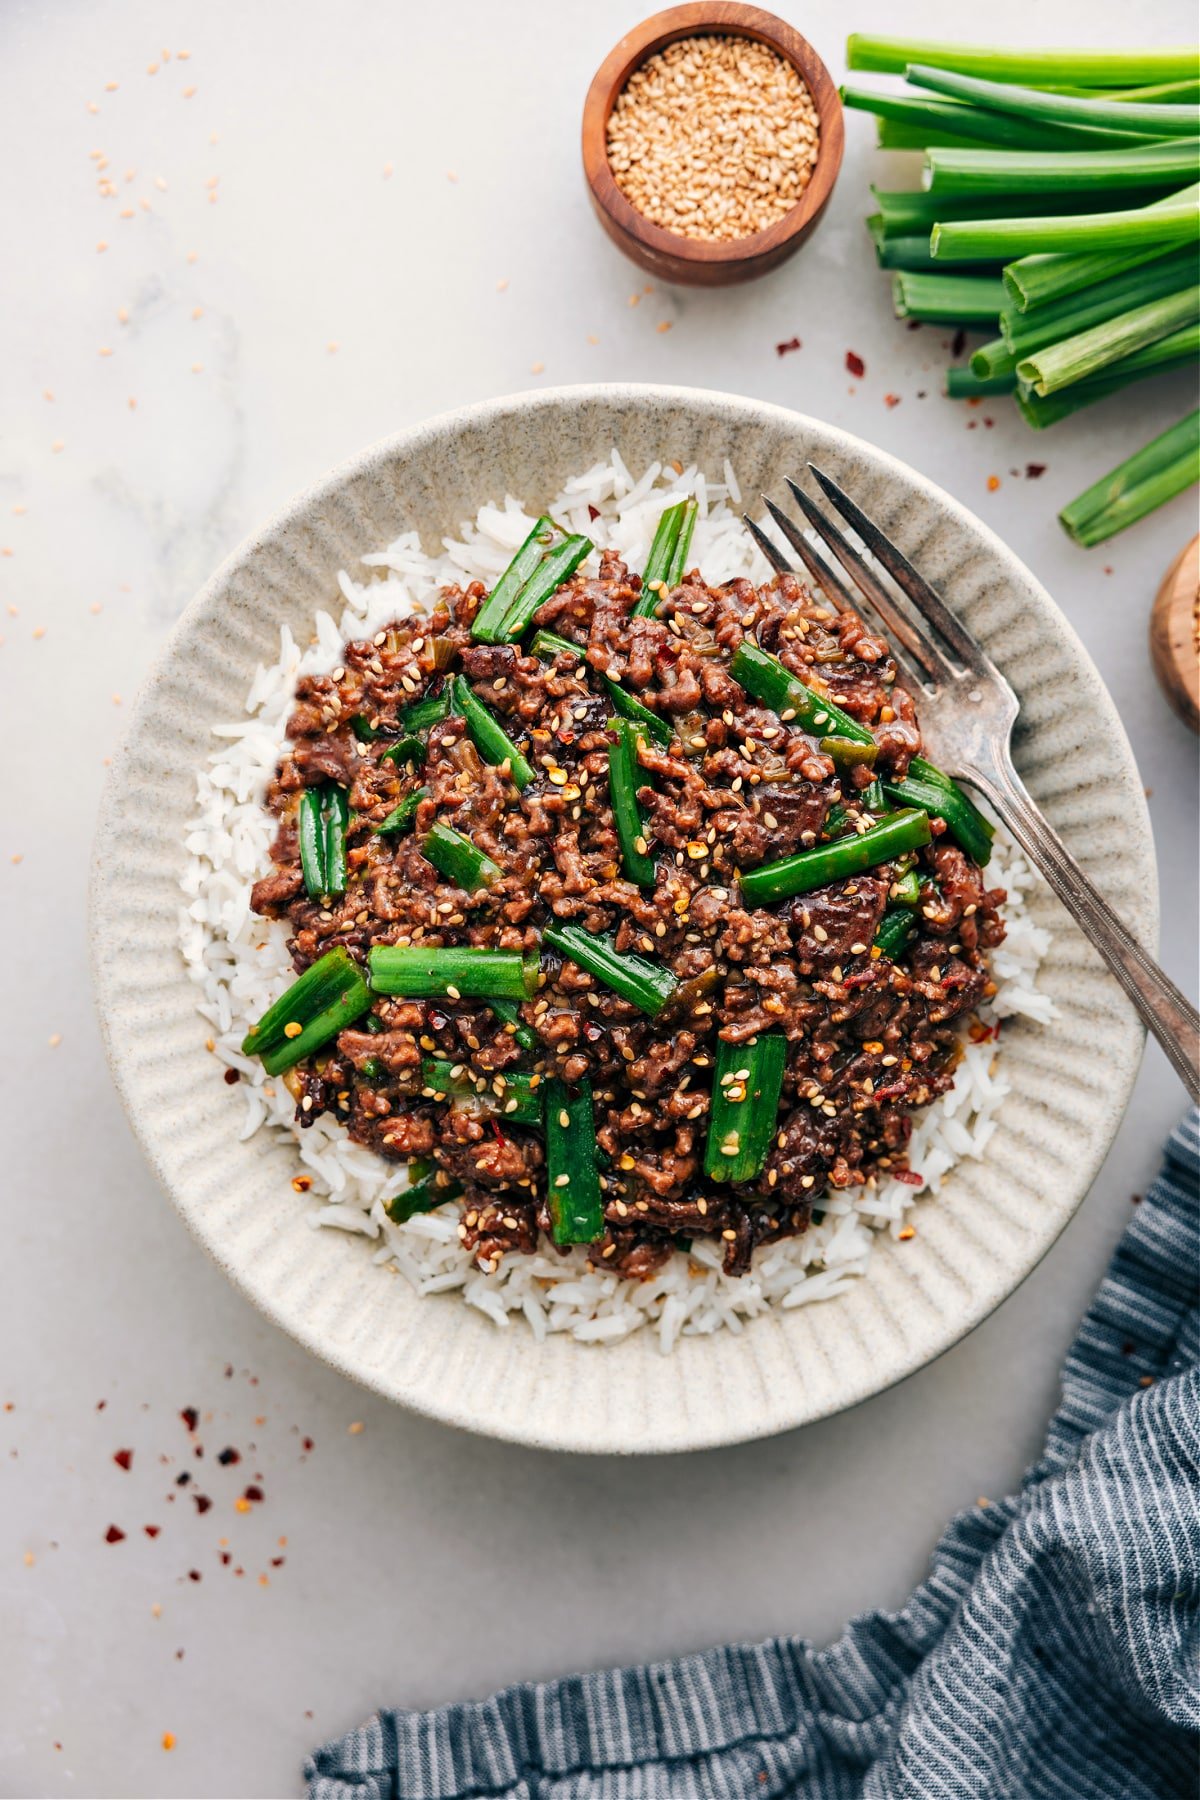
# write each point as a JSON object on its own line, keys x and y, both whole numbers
{"x": 1036, "y": 68}
{"x": 1166, "y": 466}
{"x": 1156, "y": 120}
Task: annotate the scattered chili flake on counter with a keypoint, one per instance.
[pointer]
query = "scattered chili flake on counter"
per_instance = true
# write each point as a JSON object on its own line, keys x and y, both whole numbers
{"x": 993, "y": 482}
{"x": 123, "y": 1458}
{"x": 890, "y": 400}
{"x": 253, "y": 1492}
{"x": 790, "y": 344}
{"x": 151, "y": 1531}
{"x": 1034, "y": 470}
{"x": 114, "y": 1535}
{"x": 855, "y": 363}
{"x": 228, "y": 1455}
{"x": 190, "y": 1417}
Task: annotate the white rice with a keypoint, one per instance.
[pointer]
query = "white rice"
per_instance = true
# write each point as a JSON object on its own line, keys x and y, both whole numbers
{"x": 240, "y": 964}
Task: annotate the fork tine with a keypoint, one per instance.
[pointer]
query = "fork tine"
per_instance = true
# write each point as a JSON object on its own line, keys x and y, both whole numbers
{"x": 926, "y": 599}
{"x": 771, "y": 551}
{"x": 818, "y": 568}
{"x": 924, "y": 653}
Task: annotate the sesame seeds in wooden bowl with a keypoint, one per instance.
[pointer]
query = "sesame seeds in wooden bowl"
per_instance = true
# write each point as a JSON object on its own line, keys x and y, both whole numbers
{"x": 712, "y": 137}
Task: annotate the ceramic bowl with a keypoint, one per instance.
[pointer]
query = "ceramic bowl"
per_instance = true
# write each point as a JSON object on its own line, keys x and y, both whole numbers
{"x": 994, "y": 1218}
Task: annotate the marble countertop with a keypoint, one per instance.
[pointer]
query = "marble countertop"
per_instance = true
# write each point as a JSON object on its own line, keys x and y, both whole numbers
{"x": 325, "y": 223}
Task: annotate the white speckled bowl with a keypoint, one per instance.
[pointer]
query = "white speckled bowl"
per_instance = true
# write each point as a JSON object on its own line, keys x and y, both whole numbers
{"x": 994, "y": 1218}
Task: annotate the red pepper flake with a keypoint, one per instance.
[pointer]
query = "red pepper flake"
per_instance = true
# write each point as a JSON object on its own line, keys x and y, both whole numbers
{"x": 1034, "y": 470}
{"x": 302, "y": 1183}
{"x": 253, "y": 1492}
{"x": 202, "y": 1502}
{"x": 182, "y": 1479}
{"x": 151, "y": 1531}
{"x": 100, "y": 1405}
{"x": 232, "y": 1077}
{"x": 123, "y": 1458}
{"x": 891, "y": 400}
{"x": 277, "y": 1562}
{"x": 190, "y": 1417}
{"x": 228, "y": 1455}
{"x": 307, "y": 1443}
{"x": 855, "y": 363}
{"x": 909, "y": 1177}
{"x": 500, "y": 1137}
{"x": 791, "y": 344}
{"x": 226, "y": 1559}
{"x": 114, "y": 1535}
{"x": 194, "y": 1575}
{"x": 988, "y": 423}
{"x": 228, "y": 1371}
{"x": 593, "y": 511}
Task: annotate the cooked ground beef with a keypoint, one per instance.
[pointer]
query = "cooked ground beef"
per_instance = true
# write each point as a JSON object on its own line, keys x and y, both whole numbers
{"x": 869, "y": 1039}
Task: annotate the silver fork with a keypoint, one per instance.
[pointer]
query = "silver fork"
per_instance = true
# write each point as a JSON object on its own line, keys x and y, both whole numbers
{"x": 967, "y": 711}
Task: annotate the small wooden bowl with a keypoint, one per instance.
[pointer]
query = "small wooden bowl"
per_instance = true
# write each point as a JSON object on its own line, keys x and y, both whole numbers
{"x": 697, "y": 261}
{"x": 1173, "y": 626}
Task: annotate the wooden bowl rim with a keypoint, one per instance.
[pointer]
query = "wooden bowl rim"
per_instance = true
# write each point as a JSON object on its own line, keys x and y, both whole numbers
{"x": 703, "y": 18}
{"x": 1172, "y": 631}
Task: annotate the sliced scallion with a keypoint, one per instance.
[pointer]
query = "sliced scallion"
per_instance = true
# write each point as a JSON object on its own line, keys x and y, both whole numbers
{"x": 454, "y": 971}
{"x": 645, "y": 984}
{"x": 458, "y": 859}
{"x": 490, "y": 738}
{"x": 825, "y": 863}
{"x": 490, "y": 617}
{"x": 747, "y": 1082}
{"x": 329, "y": 995}
{"x": 572, "y": 1180}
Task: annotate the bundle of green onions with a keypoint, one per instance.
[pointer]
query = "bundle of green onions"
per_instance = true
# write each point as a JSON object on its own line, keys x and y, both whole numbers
{"x": 1060, "y": 213}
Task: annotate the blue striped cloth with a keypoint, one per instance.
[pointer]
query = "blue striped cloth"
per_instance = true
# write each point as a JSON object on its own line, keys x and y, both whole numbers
{"x": 1053, "y": 1652}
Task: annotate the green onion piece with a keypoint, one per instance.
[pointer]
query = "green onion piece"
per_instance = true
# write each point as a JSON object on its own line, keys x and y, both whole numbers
{"x": 407, "y": 749}
{"x": 549, "y": 644}
{"x": 816, "y": 868}
{"x": 329, "y": 995}
{"x": 490, "y": 738}
{"x": 1059, "y": 364}
{"x": 1037, "y": 68}
{"x": 848, "y": 753}
{"x": 964, "y": 384}
{"x": 372, "y": 1069}
{"x": 964, "y": 823}
{"x": 1024, "y": 332}
{"x": 920, "y": 770}
{"x": 572, "y": 1179}
{"x": 983, "y": 240}
{"x": 490, "y": 617}
{"x": 624, "y": 779}
{"x": 632, "y": 709}
{"x": 683, "y": 543}
{"x": 658, "y": 563}
{"x": 311, "y": 832}
{"x": 947, "y": 299}
{"x": 425, "y": 713}
{"x": 458, "y": 859}
{"x": 458, "y": 971}
{"x": 1180, "y": 349}
{"x": 870, "y": 799}
{"x": 1063, "y": 109}
{"x": 903, "y": 214}
{"x": 1037, "y": 279}
{"x": 1019, "y": 172}
{"x": 402, "y": 816}
{"x": 645, "y": 984}
{"x": 1144, "y": 481}
{"x": 336, "y": 820}
{"x": 546, "y": 580}
{"x": 836, "y": 820}
{"x": 768, "y": 680}
{"x": 907, "y": 891}
{"x": 422, "y": 1197}
{"x": 519, "y": 1097}
{"x": 364, "y": 731}
{"x": 747, "y": 1081}
{"x": 936, "y": 122}
{"x": 508, "y": 1012}
{"x": 895, "y": 928}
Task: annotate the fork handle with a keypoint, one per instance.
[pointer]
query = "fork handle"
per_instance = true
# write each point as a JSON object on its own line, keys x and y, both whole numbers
{"x": 1157, "y": 1001}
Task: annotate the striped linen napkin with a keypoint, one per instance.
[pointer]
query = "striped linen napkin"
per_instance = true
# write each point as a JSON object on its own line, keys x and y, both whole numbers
{"x": 1053, "y": 1652}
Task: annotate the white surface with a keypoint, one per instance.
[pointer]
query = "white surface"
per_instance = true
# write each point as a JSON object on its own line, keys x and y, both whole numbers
{"x": 421, "y": 1566}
